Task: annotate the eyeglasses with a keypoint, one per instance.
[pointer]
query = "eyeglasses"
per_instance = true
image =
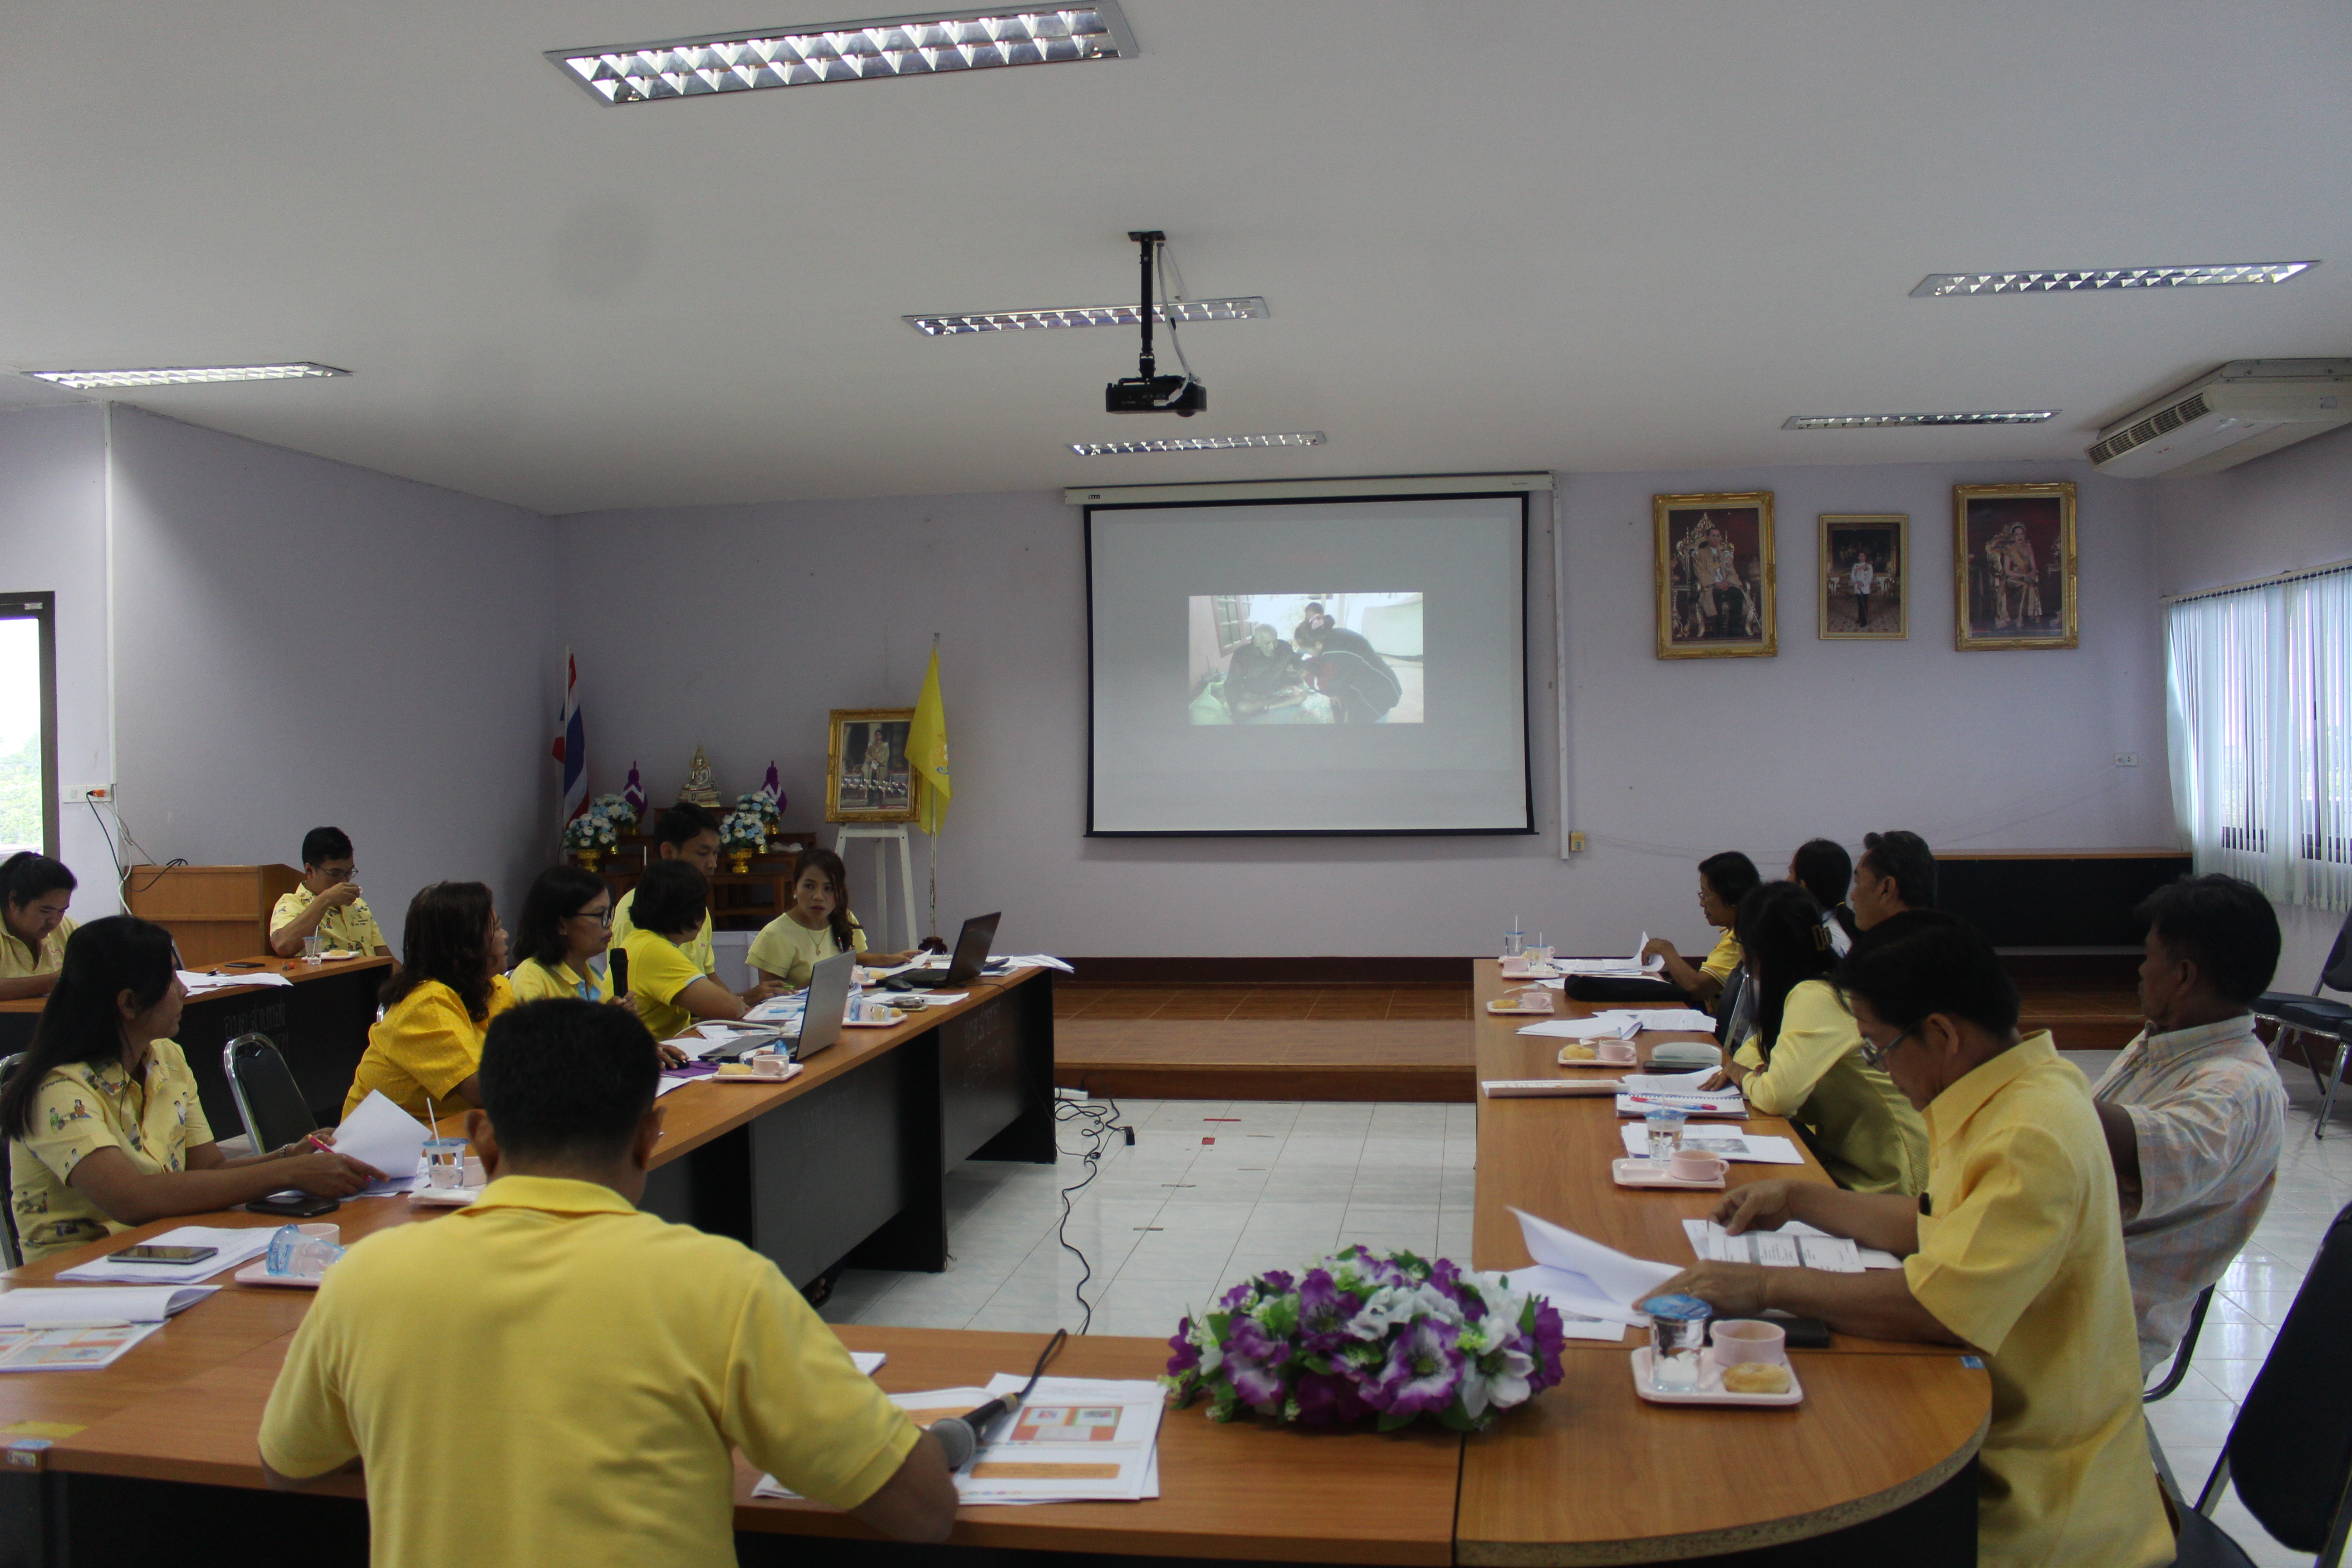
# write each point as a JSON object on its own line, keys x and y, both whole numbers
{"x": 602, "y": 917}
{"x": 1875, "y": 1056}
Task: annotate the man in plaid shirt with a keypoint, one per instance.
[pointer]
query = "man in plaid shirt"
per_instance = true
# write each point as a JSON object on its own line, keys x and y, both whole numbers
{"x": 2193, "y": 1110}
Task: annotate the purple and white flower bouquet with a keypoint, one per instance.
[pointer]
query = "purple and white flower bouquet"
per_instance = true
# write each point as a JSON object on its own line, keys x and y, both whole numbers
{"x": 1363, "y": 1334}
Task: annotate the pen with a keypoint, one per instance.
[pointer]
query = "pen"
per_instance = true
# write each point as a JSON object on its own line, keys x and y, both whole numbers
{"x": 313, "y": 1140}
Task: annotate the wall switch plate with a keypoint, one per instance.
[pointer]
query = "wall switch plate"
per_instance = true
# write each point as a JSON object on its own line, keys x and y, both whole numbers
{"x": 1575, "y": 843}
{"x": 2127, "y": 759}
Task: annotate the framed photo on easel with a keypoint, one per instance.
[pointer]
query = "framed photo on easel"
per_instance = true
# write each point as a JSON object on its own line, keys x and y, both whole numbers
{"x": 2013, "y": 566}
{"x": 1865, "y": 559}
{"x": 867, "y": 777}
{"x": 1712, "y": 562}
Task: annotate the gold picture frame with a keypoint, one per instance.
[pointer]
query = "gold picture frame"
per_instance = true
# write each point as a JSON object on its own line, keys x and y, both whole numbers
{"x": 1864, "y": 561}
{"x": 867, "y": 777}
{"x": 2009, "y": 544}
{"x": 1712, "y": 562}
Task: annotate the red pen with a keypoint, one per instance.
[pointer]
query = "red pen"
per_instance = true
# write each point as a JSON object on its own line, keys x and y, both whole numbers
{"x": 313, "y": 1140}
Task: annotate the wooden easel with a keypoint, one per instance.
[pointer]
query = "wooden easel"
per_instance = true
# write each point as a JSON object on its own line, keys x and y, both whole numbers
{"x": 882, "y": 835}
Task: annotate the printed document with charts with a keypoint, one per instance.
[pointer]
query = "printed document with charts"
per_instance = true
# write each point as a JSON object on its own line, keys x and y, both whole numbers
{"x": 1077, "y": 1440}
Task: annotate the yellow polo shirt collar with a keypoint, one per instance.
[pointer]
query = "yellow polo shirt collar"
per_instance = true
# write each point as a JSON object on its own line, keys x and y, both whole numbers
{"x": 554, "y": 1194}
{"x": 1949, "y": 1113}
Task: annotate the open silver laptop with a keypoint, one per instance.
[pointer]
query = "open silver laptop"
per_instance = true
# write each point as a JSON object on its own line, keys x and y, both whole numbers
{"x": 828, "y": 1002}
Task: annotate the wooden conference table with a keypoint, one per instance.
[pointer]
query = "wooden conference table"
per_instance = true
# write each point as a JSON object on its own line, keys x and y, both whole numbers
{"x": 1587, "y": 1474}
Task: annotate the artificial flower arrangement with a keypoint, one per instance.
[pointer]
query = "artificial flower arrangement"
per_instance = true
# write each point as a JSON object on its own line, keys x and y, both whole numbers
{"x": 616, "y": 811}
{"x": 1362, "y": 1333}
{"x": 761, "y": 807}
{"x": 590, "y": 831}
{"x": 743, "y": 832}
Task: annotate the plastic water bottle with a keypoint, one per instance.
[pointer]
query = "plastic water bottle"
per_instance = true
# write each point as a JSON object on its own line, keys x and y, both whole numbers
{"x": 856, "y": 1014}
{"x": 1515, "y": 940}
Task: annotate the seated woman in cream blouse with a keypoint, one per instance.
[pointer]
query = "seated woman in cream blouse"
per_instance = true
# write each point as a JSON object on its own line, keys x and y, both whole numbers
{"x": 815, "y": 926}
{"x": 1805, "y": 1061}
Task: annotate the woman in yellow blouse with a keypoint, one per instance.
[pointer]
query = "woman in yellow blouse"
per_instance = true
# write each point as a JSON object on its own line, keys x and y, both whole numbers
{"x": 425, "y": 1051}
{"x": 35, "y": 892}
{"x": 104, "y": 1128}
{"x": 1805, "y": 1059}
{"x": 670, "y": 902}
{"x": 1723, "y": 880}
{"x": 815, "y": 926}
{"x": 567, "y": 923}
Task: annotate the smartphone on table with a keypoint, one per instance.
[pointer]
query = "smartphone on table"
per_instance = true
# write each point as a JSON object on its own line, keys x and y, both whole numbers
{"x": 294, "y": 1205}
{"x": 146, "y": 1252}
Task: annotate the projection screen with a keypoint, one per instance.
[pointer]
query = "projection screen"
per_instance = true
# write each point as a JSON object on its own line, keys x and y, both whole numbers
{"x": 1350, "y": 665}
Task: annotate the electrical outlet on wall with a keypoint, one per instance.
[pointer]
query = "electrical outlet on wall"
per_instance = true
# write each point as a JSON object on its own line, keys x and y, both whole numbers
{"x": 1575, "y": 843}
{"x": 73, "y": 794}
{"x": 2127, "y": 759}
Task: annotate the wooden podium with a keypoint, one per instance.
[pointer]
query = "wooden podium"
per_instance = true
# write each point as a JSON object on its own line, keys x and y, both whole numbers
{"x": 214, "y": 912}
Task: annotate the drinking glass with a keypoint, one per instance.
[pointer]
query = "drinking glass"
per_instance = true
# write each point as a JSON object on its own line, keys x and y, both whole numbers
{"x": 1677, "y": 1334}
{"x": 1665, "y": 1128}
{"x": 312, "y": 946}
{"x": 445, "y": 1162}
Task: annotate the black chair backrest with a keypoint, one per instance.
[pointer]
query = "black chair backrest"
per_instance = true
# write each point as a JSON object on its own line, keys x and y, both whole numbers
{"x": 2337, "y": 974}
{"x": 11, "y": 1253}
{"x": 267, "y": 1095}
{"x": 2290, "y": 1449}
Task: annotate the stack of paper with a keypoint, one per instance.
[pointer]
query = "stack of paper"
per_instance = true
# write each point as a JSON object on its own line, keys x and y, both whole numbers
{"x": 1076, "y": 1439}
{"x": 1730, "y": 1143}
{"x": 1690, "y": 1102}
{"x": 1795, "y": 1245}
{"x": 199, "y": 984}
{"x": 1598, "y": 1286}
{"x": 1600, "y": 1027}
{"x": 82, "y": 1330}
{"x": 381, "y": 1134}
{"x": 1038, "y": 961}
{"x": 1633, "y": 968}
{"x": 235, "y": 1245}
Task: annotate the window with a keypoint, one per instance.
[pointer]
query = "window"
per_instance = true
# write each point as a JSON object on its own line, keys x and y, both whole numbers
{"x": 2260, "y": 683}
{"x": 28, "y": 723}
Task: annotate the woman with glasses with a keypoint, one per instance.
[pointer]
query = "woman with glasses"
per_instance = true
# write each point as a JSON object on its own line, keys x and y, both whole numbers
{"x": 1807, "y": 1059}
{"x": 567, "y": 923}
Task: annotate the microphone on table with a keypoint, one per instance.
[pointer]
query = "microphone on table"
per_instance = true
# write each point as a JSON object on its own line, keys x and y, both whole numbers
{"x": 961, "y": 1435}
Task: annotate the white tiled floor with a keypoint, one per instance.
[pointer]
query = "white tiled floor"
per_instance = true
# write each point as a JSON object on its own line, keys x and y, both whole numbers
{"x": 1213, "y": 1192}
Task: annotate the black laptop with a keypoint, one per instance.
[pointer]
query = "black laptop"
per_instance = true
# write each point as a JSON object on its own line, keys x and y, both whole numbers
{"x": 971, "y": 953}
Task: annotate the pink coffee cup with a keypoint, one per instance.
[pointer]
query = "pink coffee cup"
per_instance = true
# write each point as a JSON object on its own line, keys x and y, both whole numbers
{"x": 1691, "y": 1165}
{"x": 1741, "y": 1339}
{"x": 1618, "y": 1052}
{"x": 1517, "y": 965}
{"x": 1534, "y": 999}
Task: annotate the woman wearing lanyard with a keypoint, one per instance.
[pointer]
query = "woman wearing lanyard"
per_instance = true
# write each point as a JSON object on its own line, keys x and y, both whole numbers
{"x": 567, "y": 920}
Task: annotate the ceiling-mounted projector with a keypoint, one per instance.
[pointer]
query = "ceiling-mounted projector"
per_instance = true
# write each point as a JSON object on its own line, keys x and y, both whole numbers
{"x": 2243, "y": 410}
{"x": 1147, "y": 391}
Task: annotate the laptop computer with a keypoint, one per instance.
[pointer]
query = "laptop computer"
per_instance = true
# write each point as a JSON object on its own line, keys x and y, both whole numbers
{"x": 828, "y": 1001}
{"x": 971, "y": 953}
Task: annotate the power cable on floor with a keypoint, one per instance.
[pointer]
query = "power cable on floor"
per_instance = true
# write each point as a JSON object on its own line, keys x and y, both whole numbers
{"x": 1096, "y": 1122}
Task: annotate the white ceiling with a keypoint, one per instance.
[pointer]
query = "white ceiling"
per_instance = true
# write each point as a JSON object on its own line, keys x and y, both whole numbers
{"x": 1493, "y": 235}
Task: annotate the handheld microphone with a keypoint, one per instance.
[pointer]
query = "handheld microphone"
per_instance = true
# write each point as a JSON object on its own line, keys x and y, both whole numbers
{"x": 960, "y": 1436}
{"x": 620, "y": 962}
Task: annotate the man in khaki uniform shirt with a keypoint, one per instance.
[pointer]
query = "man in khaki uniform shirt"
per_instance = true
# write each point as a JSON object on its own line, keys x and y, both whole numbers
{"x": 2016, "y": 1251}
{"x": 328, "y": 902}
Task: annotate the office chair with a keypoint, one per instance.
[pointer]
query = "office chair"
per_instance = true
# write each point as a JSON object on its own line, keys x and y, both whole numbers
{"x": 2289, "y": 1452}
{"x": 11, "y": 1254}
{"x": 268, "y": 1098}
{"x": 2302, "y": 1015}
{"x": 2186, "y": 1348}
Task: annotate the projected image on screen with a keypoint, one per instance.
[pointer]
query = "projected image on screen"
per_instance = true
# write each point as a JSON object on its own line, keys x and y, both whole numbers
{"x": 1306, "y": 658}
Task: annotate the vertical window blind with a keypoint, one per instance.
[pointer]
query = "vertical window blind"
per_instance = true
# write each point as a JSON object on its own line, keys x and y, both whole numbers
{"x": 2259, "y": 681}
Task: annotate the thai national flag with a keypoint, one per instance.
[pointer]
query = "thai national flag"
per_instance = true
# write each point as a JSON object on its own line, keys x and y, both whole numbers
{"x": 571, "y": 745}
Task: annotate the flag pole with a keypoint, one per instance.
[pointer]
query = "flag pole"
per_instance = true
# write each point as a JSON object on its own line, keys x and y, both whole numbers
{"x": 933, "y": 837}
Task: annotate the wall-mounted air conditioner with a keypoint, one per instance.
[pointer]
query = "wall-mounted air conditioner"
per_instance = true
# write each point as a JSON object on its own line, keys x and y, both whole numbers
{"x": 2243, "y": 410}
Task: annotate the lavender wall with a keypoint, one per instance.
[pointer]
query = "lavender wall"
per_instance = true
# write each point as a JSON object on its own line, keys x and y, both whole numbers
{"x": 303, "y": 642}
{"x": 2280, "y": 513}
{"x": 53, "y": 539}
{"x": 789, "y": 610}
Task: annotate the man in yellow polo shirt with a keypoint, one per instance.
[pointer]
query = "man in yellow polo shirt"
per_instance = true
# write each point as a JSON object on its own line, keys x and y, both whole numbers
{"x": 551, "y": 1376}
{"x": 685, "y": 832}
{"x": 2016, "y": 1251}
{"x": 328, "y": 902}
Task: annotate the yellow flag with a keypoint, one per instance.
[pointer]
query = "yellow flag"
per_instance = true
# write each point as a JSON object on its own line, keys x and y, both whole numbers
{"x": 927, "y": 749}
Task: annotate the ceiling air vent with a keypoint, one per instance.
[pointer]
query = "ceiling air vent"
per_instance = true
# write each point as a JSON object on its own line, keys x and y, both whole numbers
{"x": 2247, "y": 408}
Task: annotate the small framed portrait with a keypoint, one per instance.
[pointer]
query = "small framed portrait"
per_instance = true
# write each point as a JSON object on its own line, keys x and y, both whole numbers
{"x": 1865, "y": 582}
{"x": 2013, "y": 565}
{"x": 866, "y": 775}
{"x": 1714, "y": 571}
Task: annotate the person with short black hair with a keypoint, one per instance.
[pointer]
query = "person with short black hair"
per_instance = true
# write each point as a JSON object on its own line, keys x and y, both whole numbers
{"x": 2016, "y": 1249}
{"x": 1896, "y": 872}
{"x": 35, "y": 893}
{"x": 2193, "y": 1110}
{"x": 685, "y": 832}
{"x": 1723, "y": 880}
{"x": 105, "y": 1129}
{"x": 1347, "y": 668}
{"x": 669, "y": 989}
{"x": 328, "y": 902}
{"x": 425, "y": 1051}
{"x": 1824, "y": 868}
{"x": 566, "y": 924}
{"x": 612, "y": 1362}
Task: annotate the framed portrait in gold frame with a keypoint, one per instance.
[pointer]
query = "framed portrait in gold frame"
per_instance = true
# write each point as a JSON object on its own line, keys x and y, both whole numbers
{"x": 1865, "y": 571}
{"x": 867, "y": 777}
{"x": 2013, "y": 566}
{"x": 1713, "y": 566}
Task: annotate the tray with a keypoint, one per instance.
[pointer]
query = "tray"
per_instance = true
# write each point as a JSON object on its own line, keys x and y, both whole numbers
{"x": 258, "y": 1273}
{"x": 747, "y": 1078}
{"x": 1710, "y": 1385}
{"x": 1593, "y": 1061}
{"x": 442, "y": 1198}
{"x": 1631, "y": 1173}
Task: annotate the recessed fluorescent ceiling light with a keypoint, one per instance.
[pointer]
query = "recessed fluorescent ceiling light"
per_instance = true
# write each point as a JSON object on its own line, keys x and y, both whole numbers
{"x": 180, "y": 375}
{"x": 923, "y": 45}
{"x": 1938, "y": 284}
{"x": 1196, "y": 444}
{"x": 1885, "y": 421}
{"x": 1249, "y": 308}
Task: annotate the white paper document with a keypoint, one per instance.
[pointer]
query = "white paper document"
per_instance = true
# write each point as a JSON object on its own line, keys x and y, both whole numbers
{"x": 1794, "y": 1245}
{"x": 1038, "y": 960}
{"x": 1600, "y": 1027}
{"x": 1732, "y": 1143}
{"x": 39, "y": 1307}
{"x": 870, "y": 1362}
{"x": 1722, "y": 1102}
{"x": 1683, "y": 1020}
{"x": 1576, "y": 1274}
{"x": 1631, "y": 968}
{"x": 381, "y": 1134}
{"x": 199, "y": 984}
{"x": 69, "y": 1350}
{"x": 237, "y": 1244}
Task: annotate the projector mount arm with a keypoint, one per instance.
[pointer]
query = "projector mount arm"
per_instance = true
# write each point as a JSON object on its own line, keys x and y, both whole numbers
{"x": 1150, "y": 392}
